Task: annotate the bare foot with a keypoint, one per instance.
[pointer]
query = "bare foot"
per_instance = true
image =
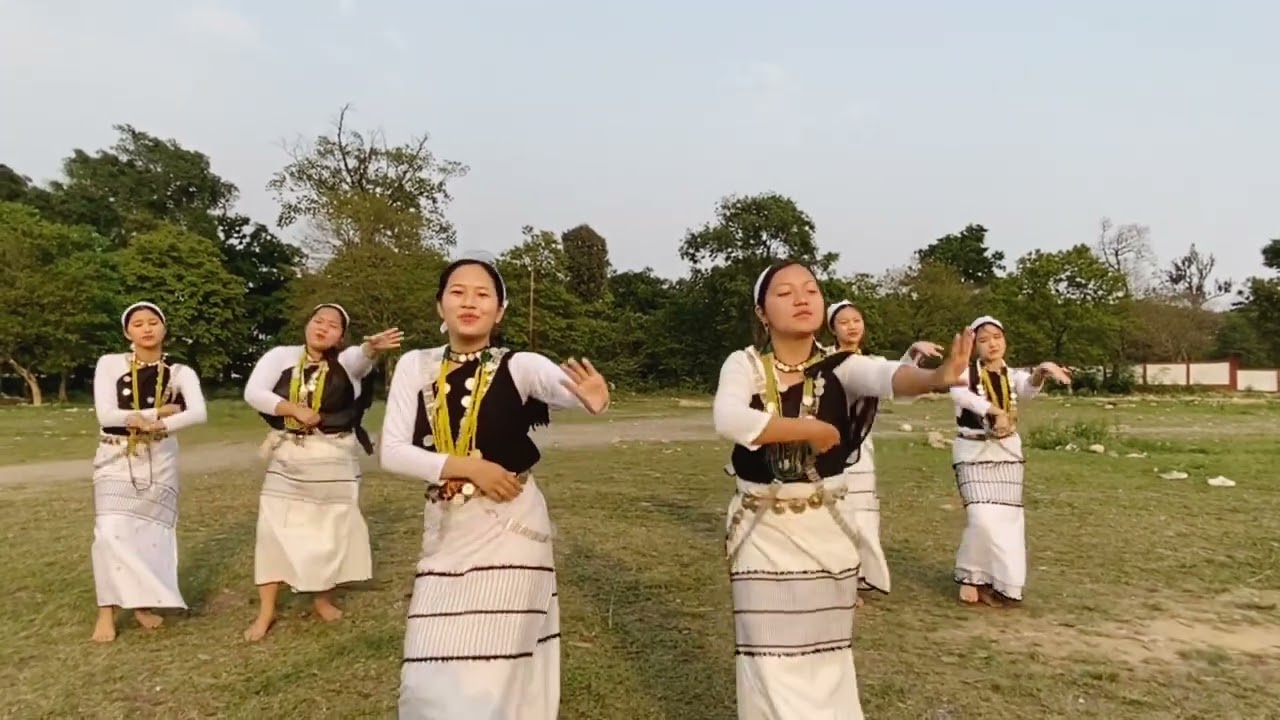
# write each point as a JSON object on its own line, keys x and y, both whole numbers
{"x": 259, "y": 628}
{"x": 148, "y": 619}
{"x": 991, "y": 598}
{"x": 968, "y": 594}
{"x": 858, "y": 602}
{"x": 325, "y": 608}
{"x": 105, "y": 629}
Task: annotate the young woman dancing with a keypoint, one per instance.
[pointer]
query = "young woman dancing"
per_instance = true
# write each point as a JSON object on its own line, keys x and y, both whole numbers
{"x": 482, "y": 640}
{"x": 794, "y": 414}
{"x": 141, "y": 400}
{"x": 991, "y": 566}
{"x": 311, "y": 535}
{"x": 846, "y": 323}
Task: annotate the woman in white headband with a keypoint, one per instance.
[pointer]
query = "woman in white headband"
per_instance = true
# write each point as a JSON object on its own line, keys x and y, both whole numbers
{"x": 796, "y": 414}
{"x": 991, "y": 566}
{"x": 140, "y": 400}
{"x": 482, "y": 638}
{"x": 846, "y": 323}
{"x": 311, "y": 535}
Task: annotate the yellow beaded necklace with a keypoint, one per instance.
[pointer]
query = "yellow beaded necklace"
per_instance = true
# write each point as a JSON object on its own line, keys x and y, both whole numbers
{"x": 464, "y": 443}
{"x": 134, "y": 364}
{"x": 315, "y": 394}
{"x": 788, "y": 461}
{"x": 1006, "y": 400}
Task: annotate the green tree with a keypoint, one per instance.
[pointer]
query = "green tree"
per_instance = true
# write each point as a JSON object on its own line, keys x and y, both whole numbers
{"x": 726, "y": 256}
{"x": 1239, "y": 335}
{"x": 637, "y": 300}
{"x": 967, "y": 253}
{"x": 138, "y": 183}
{"x": 543, "y": 310}
{"x": 13, "y": 185}
{"x": 587, "y": 262}
{"x": 59, "y": 296}
{"x": 1271, "y": 255}
{"x": 350, "y": 188}
{"x": 754, "y": 231}
{"x": 1166, "y": 330}
{"x": 930, "y": 301}
{"x": 203, "y": 302}
{"x": 1063, "y": 306}
{"x": 640, "y": 291}
{"x": 267, "y": 266}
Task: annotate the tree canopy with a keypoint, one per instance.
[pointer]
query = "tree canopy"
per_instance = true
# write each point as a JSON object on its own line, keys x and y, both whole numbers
{"x": 368, "y": 227}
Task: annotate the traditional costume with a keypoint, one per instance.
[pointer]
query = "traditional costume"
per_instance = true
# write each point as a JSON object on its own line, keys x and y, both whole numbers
{"x": 482, "y": 640}
{"x": 988, "y": 470}
{"x": 864, "y": 497}
{"x": 793, "y": 552}
{"x": 135, "y": 477}
{"x": 311, "y": 534}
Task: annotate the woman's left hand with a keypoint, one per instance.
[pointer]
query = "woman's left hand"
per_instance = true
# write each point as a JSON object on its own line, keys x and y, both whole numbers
{"x": 956, "y": 363}
{"x": 1055, "y": 371}
{"x": 924, "y": 349}
{"x": 388, "y": 339}
{"x": 587, "y": 384}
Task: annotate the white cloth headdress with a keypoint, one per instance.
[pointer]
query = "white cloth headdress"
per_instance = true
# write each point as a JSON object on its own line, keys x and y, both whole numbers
{"x": 124, "y": 316}
{"x": 985, "y": 320}
{"x": 755, "y": 293}
{"x": 835, "y": 308}
{"x": 346, "y": 319}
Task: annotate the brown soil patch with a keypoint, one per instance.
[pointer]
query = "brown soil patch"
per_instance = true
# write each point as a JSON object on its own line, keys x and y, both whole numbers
{"x": 1238, "y": 624}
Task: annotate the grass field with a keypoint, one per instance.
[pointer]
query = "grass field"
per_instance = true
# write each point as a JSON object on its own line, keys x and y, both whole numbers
{"x": 59, "y": 432}
{"x": 1147, "y": 598}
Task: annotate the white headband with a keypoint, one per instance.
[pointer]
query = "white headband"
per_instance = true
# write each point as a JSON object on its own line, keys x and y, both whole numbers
{"x": 835, "y": 308}
{"x": 755, "y": 293}
{"x": 985, "y": 320}
{"x": 124, "y": 316}
{"x": 346, "y": 319}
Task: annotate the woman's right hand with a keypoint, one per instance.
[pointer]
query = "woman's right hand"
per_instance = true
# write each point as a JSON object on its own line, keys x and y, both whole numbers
{"x": 1001, "y": 425}
{"x": 822, "y": 435}
{"x": 305, "y": 415}
{"x": 496, "y": 482}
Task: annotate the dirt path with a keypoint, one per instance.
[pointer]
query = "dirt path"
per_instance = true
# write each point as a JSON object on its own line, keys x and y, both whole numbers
{"x": 217, "y": 457}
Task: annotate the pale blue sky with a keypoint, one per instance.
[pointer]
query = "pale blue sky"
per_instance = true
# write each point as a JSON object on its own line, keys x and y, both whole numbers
{"x": 890, "y": 123}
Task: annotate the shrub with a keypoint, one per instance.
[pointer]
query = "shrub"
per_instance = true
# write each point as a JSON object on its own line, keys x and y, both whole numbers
{"x": 1081, "y": 434}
